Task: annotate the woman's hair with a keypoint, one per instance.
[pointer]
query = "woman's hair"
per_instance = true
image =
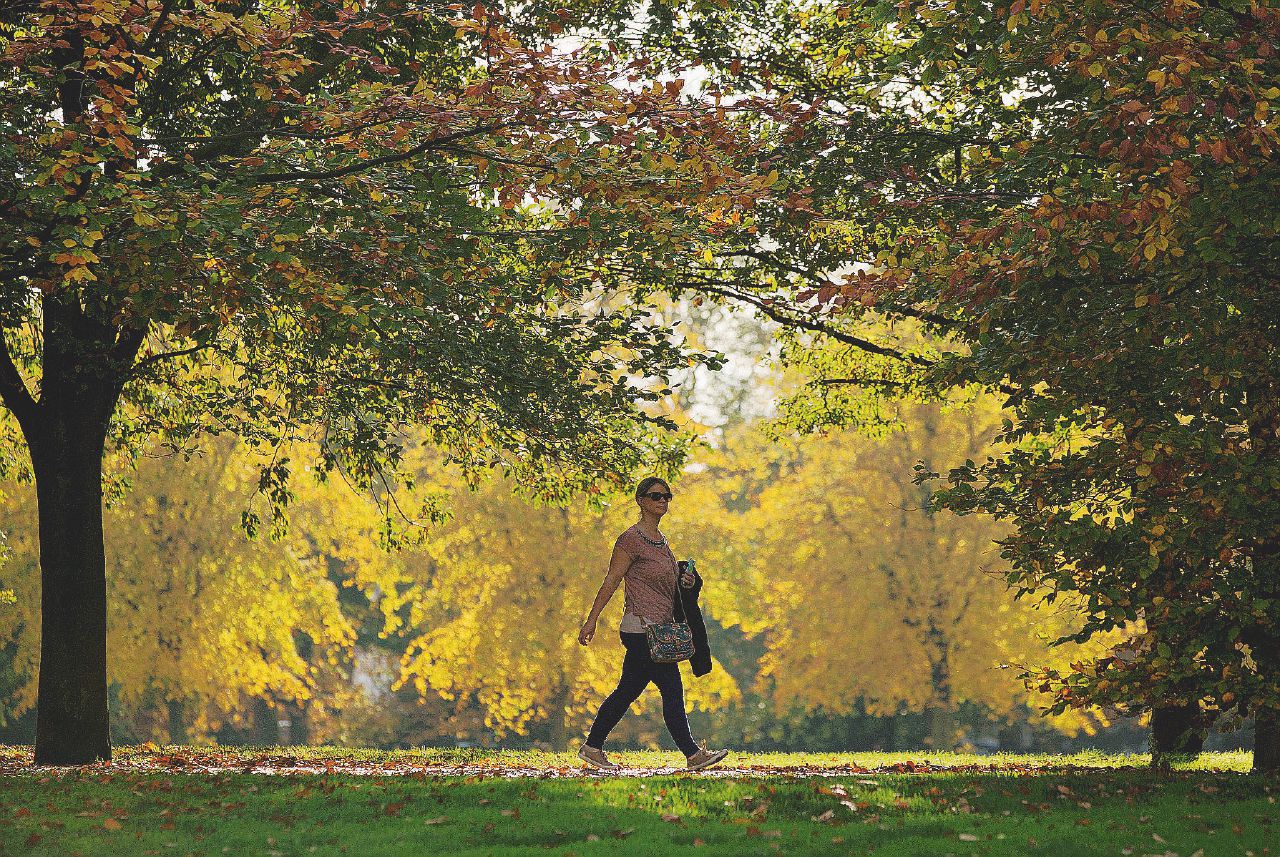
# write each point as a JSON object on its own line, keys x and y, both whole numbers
{"x": 648, "y": 482}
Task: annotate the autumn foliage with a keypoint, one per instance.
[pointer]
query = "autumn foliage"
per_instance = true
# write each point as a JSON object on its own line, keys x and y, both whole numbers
{"x": 331, "y": 221}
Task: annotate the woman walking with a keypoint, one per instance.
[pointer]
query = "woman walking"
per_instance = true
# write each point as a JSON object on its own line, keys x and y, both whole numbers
{"x": 642, "y": 560}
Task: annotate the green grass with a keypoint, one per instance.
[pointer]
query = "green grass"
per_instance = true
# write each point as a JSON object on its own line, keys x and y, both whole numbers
{"x": 1048, "y": 805}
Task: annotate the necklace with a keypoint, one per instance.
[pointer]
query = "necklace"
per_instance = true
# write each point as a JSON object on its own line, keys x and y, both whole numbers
{"x": 659, "y": 543}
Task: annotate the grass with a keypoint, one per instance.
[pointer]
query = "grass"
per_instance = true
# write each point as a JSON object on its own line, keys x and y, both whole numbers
{"x": 1064, "y": 805}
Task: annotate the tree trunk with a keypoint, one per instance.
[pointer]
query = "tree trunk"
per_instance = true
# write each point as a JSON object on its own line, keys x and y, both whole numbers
{"x": 84, "y": 367}
{"x": 1264, "y": 436}
{"x": 177, "y": 711}
{"x": 1175, "y": 731}
{"x": 941, "y": 716}
{"x": 942, "y": 728}
{"x": 1266, "y": 741}
{"x": 71, "y": 713}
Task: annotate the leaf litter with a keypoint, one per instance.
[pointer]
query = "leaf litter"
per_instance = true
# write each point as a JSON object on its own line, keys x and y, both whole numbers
{"x": 215, "y": 761}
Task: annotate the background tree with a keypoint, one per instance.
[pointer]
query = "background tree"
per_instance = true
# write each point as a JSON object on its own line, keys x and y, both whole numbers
{"x": 487, "y": 603}
{"x": 215, "y": 637}
{"x": 869, "y": 600}
{"x": 367, "y": 213}
{"x": 202, "y": 620}
{"x": 1077, "y": 201}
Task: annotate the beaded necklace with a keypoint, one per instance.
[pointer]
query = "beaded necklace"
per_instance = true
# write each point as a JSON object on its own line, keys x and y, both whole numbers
{"x": 659, "y": 543}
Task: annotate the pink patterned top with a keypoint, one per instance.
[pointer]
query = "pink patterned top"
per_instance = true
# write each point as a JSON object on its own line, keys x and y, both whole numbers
{"x": 649, "y": 584}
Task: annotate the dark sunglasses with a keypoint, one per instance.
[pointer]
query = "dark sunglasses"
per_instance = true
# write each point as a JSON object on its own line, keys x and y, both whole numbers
{"x": 658, "y": 495}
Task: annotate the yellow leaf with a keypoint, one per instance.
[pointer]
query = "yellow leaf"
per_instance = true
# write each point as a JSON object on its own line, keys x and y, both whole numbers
{"x": 1141, "y": 300}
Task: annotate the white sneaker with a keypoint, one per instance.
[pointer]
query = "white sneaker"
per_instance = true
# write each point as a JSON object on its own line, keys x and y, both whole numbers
{"x": 596, "y": 758}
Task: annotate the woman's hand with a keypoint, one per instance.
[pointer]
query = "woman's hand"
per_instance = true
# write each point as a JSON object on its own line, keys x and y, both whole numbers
{"x": 687, "y": 579}
{"x": 588, "y": 631}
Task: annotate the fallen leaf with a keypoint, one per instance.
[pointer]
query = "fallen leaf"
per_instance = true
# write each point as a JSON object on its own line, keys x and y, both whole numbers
{"x": 967, "y": 837}
{"x": 668, "y": 817}
{"x": 438, "y": 820}
{"x": 825, "y": 817}
{"x": 111, "y": 824}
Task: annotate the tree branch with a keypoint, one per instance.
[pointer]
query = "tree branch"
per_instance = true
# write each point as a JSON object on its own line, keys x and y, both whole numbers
{"x": 808, "y": 324}
{"x": 438, "y": 142}
{"x": 922, "y": 315}
{"x": 13, "y": 389}
{"x": 166, "y": 355}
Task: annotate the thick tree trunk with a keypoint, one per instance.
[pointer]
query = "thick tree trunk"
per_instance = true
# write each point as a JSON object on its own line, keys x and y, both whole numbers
{"x": 1266, "y": 741}
{"x": 71, "y": 714}
{"x": 1175, "y": 731}
{"x": 84, "y": 365}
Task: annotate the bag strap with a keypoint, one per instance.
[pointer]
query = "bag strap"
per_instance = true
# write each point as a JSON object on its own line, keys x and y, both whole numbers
{"x": 679, "y": 605}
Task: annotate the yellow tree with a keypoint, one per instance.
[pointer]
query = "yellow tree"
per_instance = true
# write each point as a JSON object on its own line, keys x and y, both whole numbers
{"x": 864, "y": 596}
{"x": 202, "y": 619}
{"x": 490, "y": 603}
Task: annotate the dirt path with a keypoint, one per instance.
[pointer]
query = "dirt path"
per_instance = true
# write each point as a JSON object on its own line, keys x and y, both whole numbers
{"x": 214, "y": 762}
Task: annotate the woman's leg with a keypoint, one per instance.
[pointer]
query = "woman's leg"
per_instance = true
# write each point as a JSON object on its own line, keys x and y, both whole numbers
{"x": 667, "y": 678}
{"x": 635, "y": 678}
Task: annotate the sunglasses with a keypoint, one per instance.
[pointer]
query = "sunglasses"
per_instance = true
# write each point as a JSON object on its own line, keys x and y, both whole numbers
{"x": 658, "y": 495}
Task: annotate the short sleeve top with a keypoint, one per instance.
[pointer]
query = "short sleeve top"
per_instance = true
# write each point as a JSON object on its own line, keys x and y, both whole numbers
{"x": 649, "y": 584}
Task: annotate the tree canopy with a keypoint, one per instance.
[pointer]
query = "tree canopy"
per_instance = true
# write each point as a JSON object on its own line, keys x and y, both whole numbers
{"x": 1076, "y": 204}
{"x": 313, "y": 220}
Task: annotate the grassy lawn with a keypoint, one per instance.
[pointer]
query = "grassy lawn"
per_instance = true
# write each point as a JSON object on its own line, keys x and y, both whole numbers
{"x": 176, "y": 801}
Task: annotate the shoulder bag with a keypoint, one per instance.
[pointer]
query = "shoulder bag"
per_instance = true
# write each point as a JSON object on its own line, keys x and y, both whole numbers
{"x": 671, "y": 642}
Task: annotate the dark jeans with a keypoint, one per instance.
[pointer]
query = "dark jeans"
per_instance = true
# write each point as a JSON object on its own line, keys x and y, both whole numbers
{"x": 638, "y": 669}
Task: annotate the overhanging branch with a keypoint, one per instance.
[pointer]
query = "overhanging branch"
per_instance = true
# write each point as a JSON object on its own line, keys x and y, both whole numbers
{"x": 808, "y": 324}
{"x": 13, "y": 389}
{"x": 428, "y": 145}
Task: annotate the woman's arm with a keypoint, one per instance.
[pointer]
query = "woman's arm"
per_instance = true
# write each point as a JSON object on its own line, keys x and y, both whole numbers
{"x": 617, "y": 568}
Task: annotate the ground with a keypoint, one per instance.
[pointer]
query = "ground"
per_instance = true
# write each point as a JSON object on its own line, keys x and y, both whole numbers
{"x": 324, "y": 800}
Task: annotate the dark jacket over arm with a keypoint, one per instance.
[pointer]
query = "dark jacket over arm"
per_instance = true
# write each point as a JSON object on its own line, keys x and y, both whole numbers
{"x": 701, "y": 660}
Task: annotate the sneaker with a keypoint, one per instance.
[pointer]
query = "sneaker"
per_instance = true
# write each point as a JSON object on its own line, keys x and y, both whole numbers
{"x": 596, "y": 758}
{"x": 705, "y": 758}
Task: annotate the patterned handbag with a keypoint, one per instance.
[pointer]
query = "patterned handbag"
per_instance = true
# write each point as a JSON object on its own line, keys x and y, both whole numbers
{"x": 671, "y": 642}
